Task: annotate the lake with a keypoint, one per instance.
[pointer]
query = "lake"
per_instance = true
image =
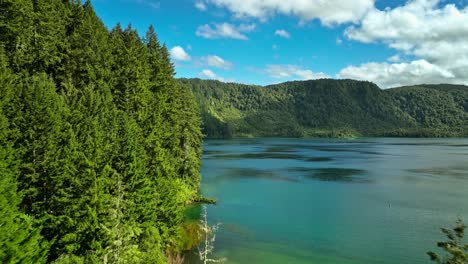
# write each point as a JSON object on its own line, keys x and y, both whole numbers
{"x": 377, "y": 200}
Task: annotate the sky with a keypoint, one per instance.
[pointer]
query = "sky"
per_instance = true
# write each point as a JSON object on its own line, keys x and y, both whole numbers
{"x": 389, "y": 42}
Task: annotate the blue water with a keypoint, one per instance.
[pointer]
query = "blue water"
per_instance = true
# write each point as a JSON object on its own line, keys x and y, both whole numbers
{"x": 357, "y": 201}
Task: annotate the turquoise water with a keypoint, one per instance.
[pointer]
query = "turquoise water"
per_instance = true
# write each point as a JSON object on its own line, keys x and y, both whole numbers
{"x": 334, "y": 201}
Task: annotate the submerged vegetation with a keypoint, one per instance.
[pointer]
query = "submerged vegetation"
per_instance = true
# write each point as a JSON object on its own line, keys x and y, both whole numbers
{"x": 330, "y": 108}
{"x": 100, "y": 146}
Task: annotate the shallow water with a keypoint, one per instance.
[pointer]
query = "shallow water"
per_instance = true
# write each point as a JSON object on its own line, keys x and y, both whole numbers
{"x": 334, "y": 201}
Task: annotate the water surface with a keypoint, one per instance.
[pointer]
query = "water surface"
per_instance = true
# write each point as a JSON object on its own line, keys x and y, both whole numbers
{"x": 357, "y": 201}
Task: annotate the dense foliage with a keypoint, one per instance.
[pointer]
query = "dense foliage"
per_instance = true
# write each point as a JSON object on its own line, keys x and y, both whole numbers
{"x": 100, "y": 146}
{"x": 455, "y": 249}
{"x": 330, "y": 108}
{"x": 439, "y": 110}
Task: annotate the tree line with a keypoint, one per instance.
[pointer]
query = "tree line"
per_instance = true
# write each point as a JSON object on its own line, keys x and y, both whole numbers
{"x": 100, "y": 146}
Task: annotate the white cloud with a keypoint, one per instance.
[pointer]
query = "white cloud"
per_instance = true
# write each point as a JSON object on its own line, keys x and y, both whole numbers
{"x": 338, "y": 41}
{"x": 394, "y": 58}
{"x": 178, "y": 53}
{"x": 200, "y": 6}
{"x": 430, "y": 32}
{"x": 217, "y": 62}
{"x": 286, "y": 71}
{"x": 282, "y": 33}
{"x": 329, "y": 12}
{"x": 225, "y": 30}
{"x": 209, "y": 74}
{"x": 388, "y": 75}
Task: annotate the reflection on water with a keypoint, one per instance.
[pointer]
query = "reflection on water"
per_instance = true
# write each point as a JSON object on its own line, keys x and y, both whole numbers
{"x": 249, "y": 173}
{"x": 457, "y": 171}
{"x": 334, "y": 174}
{"x": 333, "y": 201}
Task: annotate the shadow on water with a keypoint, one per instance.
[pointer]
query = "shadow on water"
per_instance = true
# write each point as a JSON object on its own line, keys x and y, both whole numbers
{"x": 261, "y": 155}
{"x": 457, "y": 171}
{"x": 266, "y": 155}
{"x": 334, "y": 174}
{"x": 442, "y": 144}
{"x": 319, "y": 159}
{"x": 246, "y": 173}
{"x": 297, "y": 175}
{"x": 341, "y": 147}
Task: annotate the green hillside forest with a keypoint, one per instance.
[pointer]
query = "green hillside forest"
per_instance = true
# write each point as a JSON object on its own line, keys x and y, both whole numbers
{"x": 99, "y": 145}
{"x": 330, "y": 108}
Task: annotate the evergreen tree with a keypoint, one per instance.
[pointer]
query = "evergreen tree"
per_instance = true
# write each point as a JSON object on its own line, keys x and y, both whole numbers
{"x": 49, "y": 42}
{"x": 16, "y": 31}
{"x": 20, "y": 242}
{"x": 100, "y": 149}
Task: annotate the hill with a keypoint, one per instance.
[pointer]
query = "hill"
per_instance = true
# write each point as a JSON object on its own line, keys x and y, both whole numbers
{"x": 330, "y": 108}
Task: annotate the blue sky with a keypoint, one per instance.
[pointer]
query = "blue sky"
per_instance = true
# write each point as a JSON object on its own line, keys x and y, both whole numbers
{"x": 262, "y": 42}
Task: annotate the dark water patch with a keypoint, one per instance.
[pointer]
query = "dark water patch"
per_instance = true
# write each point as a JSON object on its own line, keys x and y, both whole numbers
{"x": 338, "y": 174}
{"x": 413, "y": 144}
{"x": 442, "y": 144}
{"x": 267, "y": 155}
{"x": 247, "y": 173}
{"x": 281, "y": 149}
{"x": 350, "y": 149}
{"x": 459, "y": 172}
{"x": 333, "y": 174}
{"x": 458, "y": 145}
{"x": 260, "y": 155}
{"x": 319, "y": 159}
{"x": 340, "y": 147}
{"x": 234, "y": 142}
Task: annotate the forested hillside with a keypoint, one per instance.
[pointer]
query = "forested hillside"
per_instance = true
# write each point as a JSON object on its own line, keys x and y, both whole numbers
{"x": 99, "y": 145}
{"x": 437, "y": 109}
{"x": 330, "y": 108}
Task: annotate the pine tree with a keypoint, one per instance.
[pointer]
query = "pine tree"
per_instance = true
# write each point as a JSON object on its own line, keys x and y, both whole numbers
{"x": 49, "y": 42}
{"x": 89, "y": 57}
{"x": 39, "y": 118}
{"x": 190, "y": 137}
{"x": 20, "y": 242}
{"x": 16, "y": 31}
{"x": 99, "y": 145}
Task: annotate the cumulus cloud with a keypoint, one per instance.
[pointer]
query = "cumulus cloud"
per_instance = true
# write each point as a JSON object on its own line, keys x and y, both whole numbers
{"x": 282, "y": 33}
{"x": 388, "y": 75}
{"x": 200, "y": 6}
{"x": 225, "y": 30}
{"x": 178, "y": 53}
{"x": 435, "y": 35}
{"x": 329, "y": 12}
{"x": 286, "y": 71}
{"x": 394, "y": 58}
{"x": 209, "y": 74}
{"x": 217, "y": 62}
